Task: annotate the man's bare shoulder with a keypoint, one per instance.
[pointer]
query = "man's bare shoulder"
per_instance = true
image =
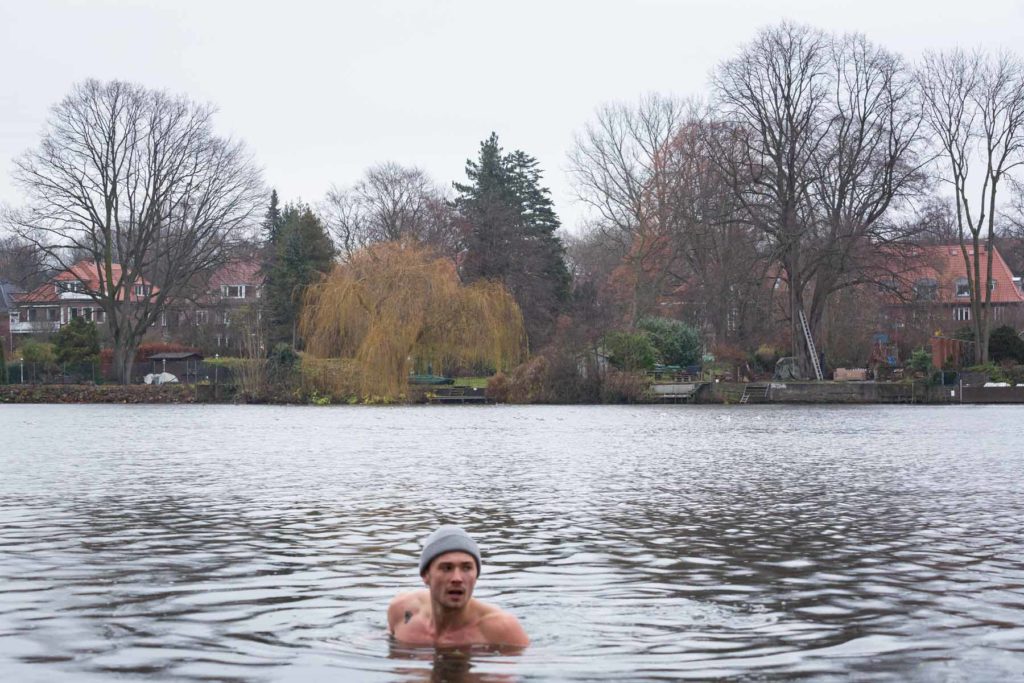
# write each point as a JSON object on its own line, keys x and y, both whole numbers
{"x": 501, "y": 628}
{"x": 406, "y": 605}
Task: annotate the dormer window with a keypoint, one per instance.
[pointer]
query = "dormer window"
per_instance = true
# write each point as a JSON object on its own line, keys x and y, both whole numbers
{"x": 232, "y": 291}
{"x": 963, "y": 289}
{"x": 926, "y": 289}
{"x": 76, "y": 286}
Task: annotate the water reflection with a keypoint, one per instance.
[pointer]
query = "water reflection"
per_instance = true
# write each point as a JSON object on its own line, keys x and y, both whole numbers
{"x": 253, "y": 543}
{"x": 451, "y": 665}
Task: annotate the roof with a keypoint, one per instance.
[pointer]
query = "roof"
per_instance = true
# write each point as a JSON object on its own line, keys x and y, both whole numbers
{"x": 237, "y": 273}
{"x": 177, "y": 355}
{"x": 85, "y": 271}
{"x": 944, "y": 264}
{"x": 8, "y": 293}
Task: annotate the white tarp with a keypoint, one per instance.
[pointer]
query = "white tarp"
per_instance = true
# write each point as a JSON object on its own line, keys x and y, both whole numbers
{"x": 160, "y": 378}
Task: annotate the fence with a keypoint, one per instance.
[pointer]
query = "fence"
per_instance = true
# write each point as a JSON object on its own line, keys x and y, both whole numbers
{"x": 258, "y": 380}
{"x": 186, "y": 372}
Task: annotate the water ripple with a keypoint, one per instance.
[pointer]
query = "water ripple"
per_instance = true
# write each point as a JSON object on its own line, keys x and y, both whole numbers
{"x": 198, "y": 543}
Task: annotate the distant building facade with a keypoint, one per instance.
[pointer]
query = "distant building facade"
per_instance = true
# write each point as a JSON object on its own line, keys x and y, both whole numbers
{"x": 66, "y": 296}
{"x": 929, "y": 293}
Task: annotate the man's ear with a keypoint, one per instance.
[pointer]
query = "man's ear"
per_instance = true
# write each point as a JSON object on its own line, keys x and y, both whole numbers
{"x": 424, "y": 577}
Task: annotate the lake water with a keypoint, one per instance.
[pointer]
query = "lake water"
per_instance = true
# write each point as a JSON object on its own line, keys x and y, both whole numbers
{"x": 255, "y": 543}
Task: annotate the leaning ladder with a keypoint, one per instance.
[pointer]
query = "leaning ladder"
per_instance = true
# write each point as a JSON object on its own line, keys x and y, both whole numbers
{"x": 810, "y": 346}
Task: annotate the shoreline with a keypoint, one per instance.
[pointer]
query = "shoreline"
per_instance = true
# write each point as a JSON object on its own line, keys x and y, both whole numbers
{"x": 707, "y": 393}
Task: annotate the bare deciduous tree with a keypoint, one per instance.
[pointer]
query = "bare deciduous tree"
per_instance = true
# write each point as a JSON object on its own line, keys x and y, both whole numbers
{"x": 622, "y": 174}
{"x": 22, "y": 263}
{"x": 828, "y": 139}
{"x": 721, "y": 259}
{"x": 391, "y": 203}
{"x": 973, "y": 104}
{"x": 135, "y": 178}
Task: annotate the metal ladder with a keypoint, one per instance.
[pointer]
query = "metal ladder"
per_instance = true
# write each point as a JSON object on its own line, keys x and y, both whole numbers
{"x": 749, "y": 391}
{"x": 811, "y": 349}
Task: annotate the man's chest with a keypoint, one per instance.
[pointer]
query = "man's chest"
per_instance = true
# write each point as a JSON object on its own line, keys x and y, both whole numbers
{"x": 417, "y": 632}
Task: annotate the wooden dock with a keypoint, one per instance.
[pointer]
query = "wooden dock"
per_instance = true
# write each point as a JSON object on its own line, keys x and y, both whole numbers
{"x": 457, "y": 395}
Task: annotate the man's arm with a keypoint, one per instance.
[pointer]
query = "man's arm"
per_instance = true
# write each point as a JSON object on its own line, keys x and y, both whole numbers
{"x": 400, "y": 610}
{"x": 503, "y": 629}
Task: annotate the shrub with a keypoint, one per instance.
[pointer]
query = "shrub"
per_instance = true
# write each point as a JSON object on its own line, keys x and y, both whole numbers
{"x": 630, "y": 351}
{"x": 920, "y": 360}
{"x": 991, "y": 370}
{"x": 766, "y": 357}
{"x": 283, "y": 356}
{"x": 78, "y": 342}
{"x": 675, "y": 342}
{"x": 1004, "y": 344}
{"x": 529, "y": 382}
{"x": 38, "y": 353}
{"x": 623, "y": 387}
{"x": 497, "y": 388}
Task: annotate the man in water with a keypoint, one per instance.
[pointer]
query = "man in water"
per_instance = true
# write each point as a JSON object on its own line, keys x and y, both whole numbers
{"x": 446, "y": 614}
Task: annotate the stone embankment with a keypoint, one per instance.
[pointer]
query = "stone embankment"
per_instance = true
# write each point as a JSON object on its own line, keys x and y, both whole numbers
{"x": 106, "y": 393}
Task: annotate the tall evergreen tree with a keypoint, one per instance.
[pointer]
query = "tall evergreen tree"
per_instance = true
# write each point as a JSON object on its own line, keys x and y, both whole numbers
{"x": 511, "y": 235}
{"x": 302, "y": 254}
{"x": 272, "y": 220}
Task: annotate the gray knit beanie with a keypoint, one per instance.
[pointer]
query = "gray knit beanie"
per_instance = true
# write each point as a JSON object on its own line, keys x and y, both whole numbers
{"x": 448, "y": 538}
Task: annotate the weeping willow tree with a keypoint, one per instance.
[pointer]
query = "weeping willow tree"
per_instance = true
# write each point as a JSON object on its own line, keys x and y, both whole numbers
{"x": 394, "y": 305}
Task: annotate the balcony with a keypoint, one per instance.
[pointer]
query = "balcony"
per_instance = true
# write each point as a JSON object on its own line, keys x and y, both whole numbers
{"x": 35, "y": 327}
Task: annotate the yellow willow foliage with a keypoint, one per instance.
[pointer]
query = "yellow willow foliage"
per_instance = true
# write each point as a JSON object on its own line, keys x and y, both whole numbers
{"x": 395, "y": 304}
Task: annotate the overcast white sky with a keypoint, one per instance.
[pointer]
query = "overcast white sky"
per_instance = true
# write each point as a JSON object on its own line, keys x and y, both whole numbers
{"x": 321, "y": 90}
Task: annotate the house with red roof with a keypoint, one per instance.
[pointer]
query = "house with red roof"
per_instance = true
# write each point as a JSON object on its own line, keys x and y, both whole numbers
{"x": 216, "y": 319}
{"x": 930, "y": 290}
{"x": 72, "y": 293}
{"x": 227, "y": 309}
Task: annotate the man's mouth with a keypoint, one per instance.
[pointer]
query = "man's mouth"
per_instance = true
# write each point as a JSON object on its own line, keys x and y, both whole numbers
{"x": 456, "y": 593}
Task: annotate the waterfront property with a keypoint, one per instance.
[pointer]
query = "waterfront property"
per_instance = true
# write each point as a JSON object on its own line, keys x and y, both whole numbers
{"x": 928, "y": 292}
{"x": 218, "y": 319}
{"x": 72, "y": 293}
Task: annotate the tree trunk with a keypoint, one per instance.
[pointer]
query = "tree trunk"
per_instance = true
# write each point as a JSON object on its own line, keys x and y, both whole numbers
{"x": 123, "y": 358}
{"x": 800, "y": 350}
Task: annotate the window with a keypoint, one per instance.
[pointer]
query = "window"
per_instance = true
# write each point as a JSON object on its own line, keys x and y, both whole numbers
{"x": 963, "y": 289}
{"x": 962, "y": 314}
{"x": 53, "y": 314}
{"x": 202, "y": 317}
{"x": 87, "y": 313}
{"x": 926, "y": 289}
{"x": 142, "y": 290}
{"x": 70, "y": 286}
{"x": 163, "y": 318}
{"x": 15, "y": 316}
{"x": 232, "y": 291}
{"x": 74, "y": 314}
{"x": 101, "y": 315}
{"x": 227, "y": 319}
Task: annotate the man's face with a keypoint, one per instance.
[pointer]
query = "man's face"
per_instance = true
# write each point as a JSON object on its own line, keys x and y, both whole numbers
{"x": 451, "y": 578}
